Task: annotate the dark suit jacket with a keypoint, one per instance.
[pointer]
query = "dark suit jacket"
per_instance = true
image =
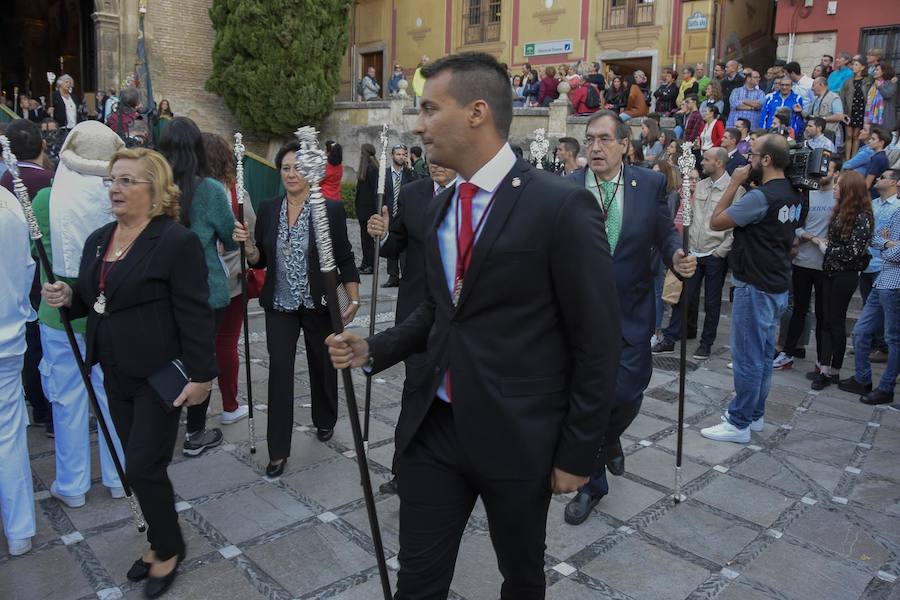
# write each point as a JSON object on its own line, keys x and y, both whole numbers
{"x": 159, "y": 310}
{"x": 59, "y": 109}
{"x": 533, "y": 344}
{"x": 646, "y": 226}
{"x": 406, "y": 176}
{"x": 267, "y": 236}
{"x": 407, "y": 234}
{"x": 738, "y": 160}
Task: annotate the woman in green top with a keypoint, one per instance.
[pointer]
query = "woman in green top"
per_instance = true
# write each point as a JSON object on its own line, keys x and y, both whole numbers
{"x": 206, "y": 210}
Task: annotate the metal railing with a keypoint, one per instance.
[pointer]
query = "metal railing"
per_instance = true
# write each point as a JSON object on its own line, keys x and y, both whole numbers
{"x": 630, "y": 13}
{"x": 481, "y": 21}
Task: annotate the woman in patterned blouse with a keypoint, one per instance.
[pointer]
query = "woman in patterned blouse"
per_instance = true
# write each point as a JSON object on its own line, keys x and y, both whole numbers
{"x": 293, "y": 297}
{"x": 847, "y": 253}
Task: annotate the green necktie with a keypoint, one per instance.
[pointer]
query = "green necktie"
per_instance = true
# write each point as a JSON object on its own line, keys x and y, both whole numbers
{"x": 613, "y": 219}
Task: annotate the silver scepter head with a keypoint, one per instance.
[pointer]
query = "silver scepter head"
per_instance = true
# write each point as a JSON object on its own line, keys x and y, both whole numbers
{"x": 539, "y": 147}
{"x": 239, "y": 166}
{"x": 311, "y": 164}
{"x": 686, "y": 163}
{"x": 19, "y": 187}
{"x": 383, "y": 164}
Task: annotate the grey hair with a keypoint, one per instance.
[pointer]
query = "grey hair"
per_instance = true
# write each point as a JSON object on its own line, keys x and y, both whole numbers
{"x": 64, "y": 79}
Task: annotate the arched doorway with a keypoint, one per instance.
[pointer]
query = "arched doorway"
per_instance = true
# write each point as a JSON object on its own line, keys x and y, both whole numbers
{"x": 42, "y": 36}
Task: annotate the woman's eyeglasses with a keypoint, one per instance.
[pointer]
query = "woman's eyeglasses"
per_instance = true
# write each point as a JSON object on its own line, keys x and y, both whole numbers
{"x": 124, "y": 181}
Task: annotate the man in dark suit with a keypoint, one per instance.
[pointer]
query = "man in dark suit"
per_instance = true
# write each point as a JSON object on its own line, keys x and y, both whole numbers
{"x": 520, "y": 330}
{"x": 406, "y": 236}
{"x": 399, "y": 174}
{"x": 730, "y": 140}
{"x": 637, "y": 222}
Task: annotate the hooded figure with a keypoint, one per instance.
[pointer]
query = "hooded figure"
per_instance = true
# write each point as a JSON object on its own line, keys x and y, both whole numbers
{"x": 80, "y": 199}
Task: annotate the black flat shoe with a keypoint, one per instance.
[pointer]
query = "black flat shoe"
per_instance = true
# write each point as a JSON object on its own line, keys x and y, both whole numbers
{"x": 389, "y": 487}
{"x": 876, "y": 396}
{"x": 579, "y": 508}
{"x": 854, "y": 387}
{"x": 138, "y": 571}
{"x": 323, "y": 434}
{"x": 615, "y": 459}
{"x": 273, "y": 470}
{"x": 365, "y": 270}
{"x": 157, "y": 586}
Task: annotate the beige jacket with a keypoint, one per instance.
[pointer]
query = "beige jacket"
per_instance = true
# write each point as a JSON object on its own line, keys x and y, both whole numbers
{"x": 706, "y": 197}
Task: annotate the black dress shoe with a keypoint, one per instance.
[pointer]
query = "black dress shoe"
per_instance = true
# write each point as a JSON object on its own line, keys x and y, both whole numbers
{"x": 157, "y": 586}
{"x": 876, "y": 396}
{"x": 323, "y": 434}
{"x": 389, "y": 487}
{"x": 579, "y": 508}
{"x": 615, "y": 459}
{"x": 365, "y": 270}
{"x": 138, "y": 571}
{"x": 392, "y": 282}
{"x": 854, "y": 387}
{"x": 821, "y": 381}
{"x": 273, "y": 470}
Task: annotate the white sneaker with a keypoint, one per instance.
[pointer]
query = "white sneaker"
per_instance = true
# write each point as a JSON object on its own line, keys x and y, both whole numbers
{"x": 726, "y": 432}
{"x": 654, "y": 340}
{"x": 783, "y": 361}
{"x": 229, "y": 417}
{"x": 70, "y": 501}
{"x": 117, "y": 492}
{"x": 19, "y": 547}
{"x": 757, "y": 425}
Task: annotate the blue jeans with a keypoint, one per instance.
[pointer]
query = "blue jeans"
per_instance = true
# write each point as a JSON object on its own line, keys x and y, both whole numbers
{"x": 658, "y": 281}
{"x": 710, "y": 272}
{"x": 754, "y": 325}
{"x": 880, "y": 314}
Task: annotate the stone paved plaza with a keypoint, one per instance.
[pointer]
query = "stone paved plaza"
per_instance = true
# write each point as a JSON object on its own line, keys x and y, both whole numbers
{"x": 809, "y": 510}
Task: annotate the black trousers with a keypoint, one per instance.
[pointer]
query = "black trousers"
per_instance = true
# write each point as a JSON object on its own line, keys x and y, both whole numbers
{"x": 196, "y": 415}
{"x": 365, "y": 240}
{"x": 805, "y": 280}
{"x": 148, "y": 435}
{"x": 866, "y": 283}
{"x": 438, "y": 486}
{"x": 710, "y": 274}
{"x": 41, "y": 409}
{"x": 393, "y": 267}
{"x": 282, "y": 332}
{"x": 839, "y": 288}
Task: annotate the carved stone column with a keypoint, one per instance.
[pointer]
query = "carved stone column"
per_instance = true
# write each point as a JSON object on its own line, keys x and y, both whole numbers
{"x": 107, "y": 31}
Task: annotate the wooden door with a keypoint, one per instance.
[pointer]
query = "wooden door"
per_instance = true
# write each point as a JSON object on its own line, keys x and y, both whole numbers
{"x": 376, "y": 60}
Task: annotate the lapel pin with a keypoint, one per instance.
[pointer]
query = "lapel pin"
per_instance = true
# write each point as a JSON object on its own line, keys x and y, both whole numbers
{"x": 633, "y": 183}
{"x": 516, "y": 182}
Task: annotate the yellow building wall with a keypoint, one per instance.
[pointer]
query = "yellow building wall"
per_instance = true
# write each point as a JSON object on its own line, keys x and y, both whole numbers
{"x": 420, "y": 31}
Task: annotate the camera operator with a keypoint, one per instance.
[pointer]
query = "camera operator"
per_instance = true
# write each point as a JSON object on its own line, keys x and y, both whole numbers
{"x": 764, "y": 220}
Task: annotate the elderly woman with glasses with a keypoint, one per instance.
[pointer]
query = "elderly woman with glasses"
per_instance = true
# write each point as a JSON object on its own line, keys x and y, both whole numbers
{"x": 142, "y": 285}
{"x": 293, "y": 297}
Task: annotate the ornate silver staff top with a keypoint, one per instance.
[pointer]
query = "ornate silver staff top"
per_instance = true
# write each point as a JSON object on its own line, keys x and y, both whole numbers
{"x": 311, "y": 164}
{"x": 239, "y": 166}
{"x": 539, "y": 147}
{"x": 21, "y": 191}
{"x": 686, "y": 163}
{"x": 383, "y": 171}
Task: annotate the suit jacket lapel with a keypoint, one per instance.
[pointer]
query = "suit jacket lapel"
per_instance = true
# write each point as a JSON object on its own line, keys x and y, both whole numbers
{"x": 432, "y": 243}
{"x": 504, "y": 201}
{"x": 630, "y": 208}
{"x": 146, "y": 241}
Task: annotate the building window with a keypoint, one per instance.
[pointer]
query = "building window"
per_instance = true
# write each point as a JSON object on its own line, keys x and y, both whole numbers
{"x": 629, "y": 13}
{"x": 482, "y": 21}
{"x": 886, "y": 38}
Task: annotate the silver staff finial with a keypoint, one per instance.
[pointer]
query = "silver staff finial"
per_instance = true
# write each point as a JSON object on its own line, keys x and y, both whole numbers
{"x": 19, "y": 188}
{"x": 239, "y": 150}
{"x": 539, "y": 147}
{"x": 686, "y": 163}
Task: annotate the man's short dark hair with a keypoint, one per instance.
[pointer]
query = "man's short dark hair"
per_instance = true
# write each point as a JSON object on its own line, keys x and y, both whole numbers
{"x": 779, "y": 63}
{"x": 596, "y": 66}
{"x": 25, "y": 139}
{"x": 819, "y": 121}
{"x": 570, "y": 144}
{"x": 889, "y": 174}
{"x": 721, "y": 64}
{"x": 477, "y": 76}
{"x": 623, "y": 131}
{"x": 829, "y": 57}
{"x": 416, "y": 151}
{"x": 792, "y": 67}
{"x": 735, "y": 133}
{"x": 883, "y": 134}
{"x": 776, "y": 147}
{"x": 837, "y": 160}
{"x": 746, "y": 121}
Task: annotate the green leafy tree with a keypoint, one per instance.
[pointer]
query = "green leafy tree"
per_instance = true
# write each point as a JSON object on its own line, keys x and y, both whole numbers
{"x": 276, "y": 63}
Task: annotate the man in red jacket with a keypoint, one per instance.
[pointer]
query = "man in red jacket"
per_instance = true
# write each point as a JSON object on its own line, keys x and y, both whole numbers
{"x": 579, "y": 96}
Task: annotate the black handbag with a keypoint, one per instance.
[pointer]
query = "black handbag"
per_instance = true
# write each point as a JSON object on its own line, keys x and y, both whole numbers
{"x": 168, "y": 383}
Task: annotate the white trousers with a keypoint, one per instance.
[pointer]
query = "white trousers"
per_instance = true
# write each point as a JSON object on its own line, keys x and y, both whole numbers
{"x": 16, "y": 488}
{"x": 64, "y": 388}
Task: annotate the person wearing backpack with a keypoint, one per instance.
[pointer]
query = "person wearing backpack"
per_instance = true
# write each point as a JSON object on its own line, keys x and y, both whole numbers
{"x": 585, "y": 97}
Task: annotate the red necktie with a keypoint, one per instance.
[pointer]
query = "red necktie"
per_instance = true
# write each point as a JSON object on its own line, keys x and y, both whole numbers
{"x": 464, "y": 242}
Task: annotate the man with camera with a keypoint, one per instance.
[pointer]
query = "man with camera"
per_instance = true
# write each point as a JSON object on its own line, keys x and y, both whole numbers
{"x": 764, "y": 220}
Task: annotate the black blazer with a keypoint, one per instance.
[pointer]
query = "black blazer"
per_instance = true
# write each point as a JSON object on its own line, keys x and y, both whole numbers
{"x": 59, "y": 109}
{"x": 408, "y": 231}
{"x": 738, "y": 160}
{"x": 267, "y": 237}
{"x": 647, "y": 228}
{"x": 367, "y": 193}
{"x": 406, "y": 176}
{"x": 533, "y": 344}
{"x": 159, "y": 310}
